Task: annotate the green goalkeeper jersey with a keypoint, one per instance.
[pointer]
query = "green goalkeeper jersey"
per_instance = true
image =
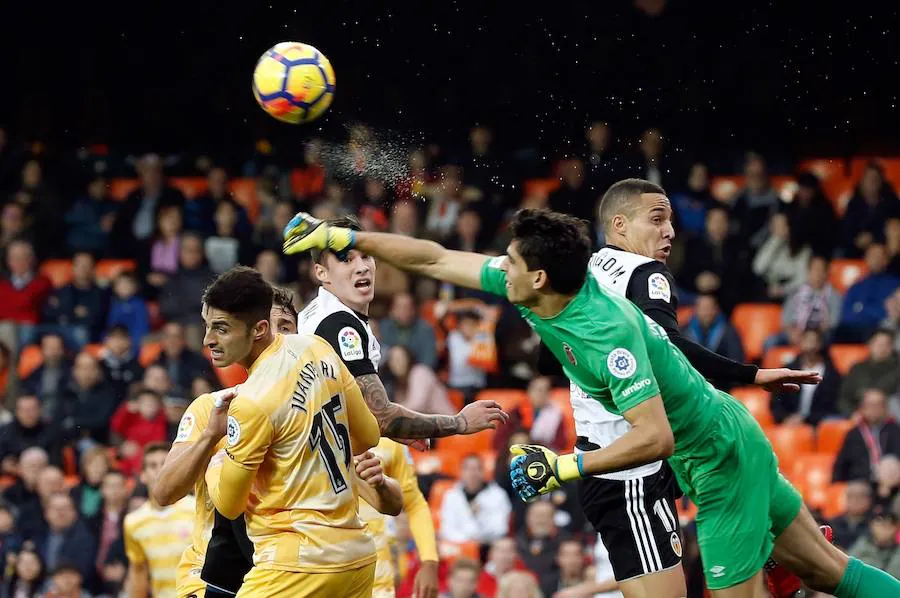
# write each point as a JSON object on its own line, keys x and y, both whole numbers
{"x": 621, "y": 357}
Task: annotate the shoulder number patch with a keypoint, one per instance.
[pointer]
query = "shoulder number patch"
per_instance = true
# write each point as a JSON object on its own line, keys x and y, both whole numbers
{"x": 232, "y": 431}
{"x": 658, "y": 287}
{"x": 185, "y": 428}
{"x": 351, "y": 344}
{"x": 621, "y": 363}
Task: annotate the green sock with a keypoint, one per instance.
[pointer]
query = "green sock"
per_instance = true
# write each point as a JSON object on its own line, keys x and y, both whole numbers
{"x": 862, "y": 581}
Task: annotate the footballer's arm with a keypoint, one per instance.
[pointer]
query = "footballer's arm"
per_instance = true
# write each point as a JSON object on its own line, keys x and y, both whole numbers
{"x": 375, "y": 486}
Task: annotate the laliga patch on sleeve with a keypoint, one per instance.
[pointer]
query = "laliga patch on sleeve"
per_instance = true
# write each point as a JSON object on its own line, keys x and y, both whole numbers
{"x": 621, "y": 363}
{"x": 497, "y": 262}
{"x": 658, "y": 287}
{"x": 351, "y": 344}
{"x": 185, "y": 428}
{"x": 232, "y": 431}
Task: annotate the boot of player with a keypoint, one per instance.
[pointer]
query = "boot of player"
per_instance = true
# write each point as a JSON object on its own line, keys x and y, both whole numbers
{"x": 784, "y": 584}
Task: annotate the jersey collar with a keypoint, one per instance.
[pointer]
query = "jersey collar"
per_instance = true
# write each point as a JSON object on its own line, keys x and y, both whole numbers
{"x": 334, "y": 297}
{"x": 273, "y": 346}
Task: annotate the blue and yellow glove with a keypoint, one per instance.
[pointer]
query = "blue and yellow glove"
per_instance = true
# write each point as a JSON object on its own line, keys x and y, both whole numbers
{"x": 304, "y": 232}
{"x": 537, "y": 470}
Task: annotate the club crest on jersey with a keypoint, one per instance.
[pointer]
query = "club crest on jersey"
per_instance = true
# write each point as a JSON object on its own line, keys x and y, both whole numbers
{"x": 232, "y": 431}
{"x": 675, "y": 541}
{"x": 570, "y": 355}
{"x": 658, "y": 287}
{"x": 621, "y": 363}
{"x": 351, "y": 344}
{"x": 185, "y": 428}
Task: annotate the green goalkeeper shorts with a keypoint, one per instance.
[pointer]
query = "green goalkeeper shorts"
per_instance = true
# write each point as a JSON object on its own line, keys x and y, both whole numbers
{"x": 743, "y": 502}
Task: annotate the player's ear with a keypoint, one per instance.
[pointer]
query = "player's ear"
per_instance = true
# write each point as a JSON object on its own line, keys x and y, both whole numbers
{"x": 619, "y": 223}
{"x": 540, "y": 280}
{"x": 260, "y": 330}
{"x": 320, "y": 273}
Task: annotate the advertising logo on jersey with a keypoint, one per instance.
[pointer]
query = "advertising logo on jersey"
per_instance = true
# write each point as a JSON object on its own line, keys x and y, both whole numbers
{"x": 570, "y": 355}
{"x": 658, "y": 287}
{"x": 621, "y": 363}
{"x": 185, "y": 428}
{"x": 351, "y": 344}
{"x": 232, "y": 431}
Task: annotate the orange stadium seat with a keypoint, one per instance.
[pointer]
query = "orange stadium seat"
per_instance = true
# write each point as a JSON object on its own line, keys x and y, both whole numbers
{"x": 779, "y": 357}
{"x": 890, "y": 166}
{"x": 109, "y": 269}
{"x": 456, "y": 398}
{"x": 452, "y": 449}
{"x": 845, "y": 357}
{"x": 450, "y": 551}
{"x": 755, "y": 322}
{"x": 560, "y": 397}
{"x": 684, "y": 314}
{"x": 757, "y": 401}
{"x": 789, "y": 442}
{"x": 244, "y": 191}
{"x": 120, "y": 188}
{"x": 436, "y": 495}
{"x": 541, "y": 187}
{"x": 834, "y": 174}
{"x": 150, "y": 352}
{"x": 191, "y": 186}
{"x": 30, "y": 359}
{"x": 94, "y": 349}
{"x": 812, "y": 470}
{"x": 843, "y": 273}
{"x": 835, "y": 502}
{"x": 830, "y": 435}
{"x": 70, "y": 461}
{"x": 508, "y": 398}
{"x": 58, "y": 271}
{"x": 725, "y": 187}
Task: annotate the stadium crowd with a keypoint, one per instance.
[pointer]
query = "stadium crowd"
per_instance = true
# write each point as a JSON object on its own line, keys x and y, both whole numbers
{"x": 105, "y": 258}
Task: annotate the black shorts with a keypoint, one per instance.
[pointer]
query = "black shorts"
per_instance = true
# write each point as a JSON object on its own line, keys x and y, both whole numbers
{"x": 636, "y": 520}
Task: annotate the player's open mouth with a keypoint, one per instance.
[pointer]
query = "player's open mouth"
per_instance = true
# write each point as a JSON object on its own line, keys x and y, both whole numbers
{"x": 364, "y": 284}
{"x": 666, "y": 250}
{"x": 216, "y": 353}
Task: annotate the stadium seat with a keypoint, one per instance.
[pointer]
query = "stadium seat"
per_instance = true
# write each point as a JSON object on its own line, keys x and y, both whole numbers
{"x": 6, "y": 481}
{"x": 843, "y": 273}
{"x": 109, "y": 269}
{"x": 150, "y": 352}
{"x": 191, "y": 186}
{"x": 789, "y": 442}
{"x": 244, "y": 191}
{"x": 830, "y": 435}
{"x": 30, "y": 359}
{"x": 724, "y": 188}
{"x": 834, "y": 174}
{"x": 684, "y": 314}
{"x": 456, "y": 398}
{"x": 755, "y": 322}
{"x": 836, "y": 502}
{"x": 757, "y": 401}
{"x": 232, "y": 375}
{"x": 450, "y": 551}
{"x": 845, "y": 357}
{"x": 436, "y": 495}
{"x": 70, "y": 461}
{"x": 120, "y": 188}
{"x": 453, "y": 449}
{"x": 508, "y": 398}
{"x": 94, "y": 350}
{"x": 58, "y": 271}
{"x": 541, "y": 187}
{"x": 560, "y": 397}
{"x": 779, "y": 357}
{"x": 812, "y": 470}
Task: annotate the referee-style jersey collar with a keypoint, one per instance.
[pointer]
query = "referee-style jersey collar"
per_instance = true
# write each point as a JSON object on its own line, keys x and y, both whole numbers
{"x": 273, "y": 346}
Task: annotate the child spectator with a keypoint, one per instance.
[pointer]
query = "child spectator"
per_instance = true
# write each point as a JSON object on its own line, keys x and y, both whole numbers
{"x": 464, "y": 376}
{"x": 119, "y": 360}
{"x": 129, "y": 310}
{"x": 87, "y": 496}
{"x": 138, "y": 422}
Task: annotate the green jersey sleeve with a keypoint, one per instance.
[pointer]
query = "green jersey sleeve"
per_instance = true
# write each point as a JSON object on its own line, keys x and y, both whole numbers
{"x": 493, "y": 278}
{"x": 627, "y": 370}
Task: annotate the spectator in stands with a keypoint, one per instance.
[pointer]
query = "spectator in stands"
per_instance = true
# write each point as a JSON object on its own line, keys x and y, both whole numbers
{"x": 570, "y": 571}
{"x": 414, "y": 385}
{"x": 782, "y": 261}
{"x": 199, "y": 211}
{"x": 712, "y": 262}
{"x": 873, "y": 203}
{"x": 405, "y": 327}
{"x": 519, "y": 436}
{"x": 120, "y": 364}
{"x": 874, "y": 437}
{"x": 574, "y": 196}
{"x": 181, "y": 363}
{"x": 51, "y": 379}
{"x": 137, "y": 215}
{"x": 710, "y": 328}
{"x": 864, "y": 301}
{"x": 128, "y": 309}
{"x": 90, "y": 403}
{"x": 106, "y": 525}
{"x": 405, "y": 219}
{"x": 543, "y": 419}
{"x": 474, "y": 510}
{"x": 12, "y": 228}
{"x": 601, "y": 164}
{"x": 519, "y": 584}
{"x": 879, "y": 547}
{"x": 887, "y": 483}
{"x": 540, "y": 540}
{"x": 502, "y": 558}
{"x": 223, "y": 248}
{"x": 182, "y": 296}
{"x": 445, "y": 203}
{"x": 463, "y": 580}
{"x": 814, "y": 402}
{"x": 43, "y": 211}
{"x": 756, "y": 203}
{"x": 156, "y": 377}
{"x": 692, "y": 204}
{"x": 892, "y": 245}
{"x": 467, "y": 236}
{"x": 67, "y": 537}
{"x": 811, "y": 216}
{"x": 79, "y": 309}
{"x": 854, "y": 522}
{"x": 28, "y": 430}
{"x": 159, "y": 260}
{"x": 24, "y": 490}
{"x": 268, "y": 265}
{"x": 28, "y": 575}
{"x": 66, "y": 580}
{"x": 31, "y": 521}
{"x": 649, "y": 162}
{"x": 174, "y": 408}
{"x": 138, "y": 422}
{"x": 815, "y": 305}
{"x": 91, "y": 218}
{"x": 463, "y": 376}
{"x": 267, "y": 235}
{"x": 23, "y": 292}
{"x": 881, "y": 370}
{"x": 87, "y": 494}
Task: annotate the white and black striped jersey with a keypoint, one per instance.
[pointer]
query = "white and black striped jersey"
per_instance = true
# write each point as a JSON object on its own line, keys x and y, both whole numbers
{"x": 347, "y": 331}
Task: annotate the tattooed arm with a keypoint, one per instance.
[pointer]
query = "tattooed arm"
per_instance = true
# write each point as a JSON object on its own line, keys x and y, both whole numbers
{"x": 396, "y": 421}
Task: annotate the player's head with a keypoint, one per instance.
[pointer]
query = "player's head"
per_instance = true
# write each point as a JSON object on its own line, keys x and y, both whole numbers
{"x": 548, "y": 254}
{"x": 154, "y": 457}
{"x": 636, "y": 215}
{"x": 236, "y": 310}
{"x": 351, "y": 278}
{"x": 283, "y": 316}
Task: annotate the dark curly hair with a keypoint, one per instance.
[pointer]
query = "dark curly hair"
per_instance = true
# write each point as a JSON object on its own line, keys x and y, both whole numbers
{"x": 553, "y": 242}
{"x": 241, "y": 292}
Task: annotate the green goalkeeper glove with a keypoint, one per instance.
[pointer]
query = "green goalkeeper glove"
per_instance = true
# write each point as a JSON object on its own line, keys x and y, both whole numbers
{"x": 304, "y": 232}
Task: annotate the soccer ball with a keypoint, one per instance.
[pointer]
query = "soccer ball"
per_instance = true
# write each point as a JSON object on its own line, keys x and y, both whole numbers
{"x": 293, "y": 82}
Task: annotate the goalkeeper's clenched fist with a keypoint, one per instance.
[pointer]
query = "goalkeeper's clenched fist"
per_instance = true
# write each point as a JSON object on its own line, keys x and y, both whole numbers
{"x": 537, "y": 470}
{"x": 304, "y": 232}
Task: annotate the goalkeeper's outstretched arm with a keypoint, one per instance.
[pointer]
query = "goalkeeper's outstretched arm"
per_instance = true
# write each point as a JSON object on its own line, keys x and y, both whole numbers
{"x": 425, "y": 258}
